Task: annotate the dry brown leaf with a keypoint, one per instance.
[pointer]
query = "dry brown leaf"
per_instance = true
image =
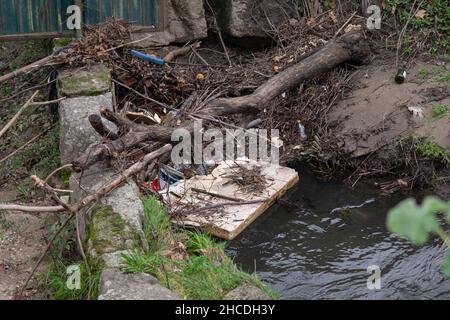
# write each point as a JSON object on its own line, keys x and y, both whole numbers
{"x": 333, "y": 16}
{"x": 421, "y": 14}
{"x": 352, "y": 27}
{"x": 311, "y": 22}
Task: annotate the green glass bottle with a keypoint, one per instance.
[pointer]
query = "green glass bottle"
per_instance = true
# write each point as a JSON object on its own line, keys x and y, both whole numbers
{"x": 401, "y": 76}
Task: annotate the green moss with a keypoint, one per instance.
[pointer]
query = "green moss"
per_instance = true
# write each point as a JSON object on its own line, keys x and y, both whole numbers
{"x": 189, "y": 263}
{"x": 61, "y": 42}
{"x": 108, "y": 232}
{"x": 85, "y": 83}
{"x": 65, "y": 177}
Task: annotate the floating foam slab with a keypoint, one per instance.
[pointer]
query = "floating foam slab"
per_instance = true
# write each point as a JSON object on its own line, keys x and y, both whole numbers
{"x": 227, "y": 222}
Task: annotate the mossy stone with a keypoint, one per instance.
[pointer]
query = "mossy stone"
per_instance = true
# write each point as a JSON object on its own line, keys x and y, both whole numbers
{"x": 108, "y": 232}
{"x": 87, "y": 81}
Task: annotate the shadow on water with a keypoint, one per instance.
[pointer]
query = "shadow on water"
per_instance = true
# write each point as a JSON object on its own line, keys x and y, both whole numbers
{"x": 304, "y": 251}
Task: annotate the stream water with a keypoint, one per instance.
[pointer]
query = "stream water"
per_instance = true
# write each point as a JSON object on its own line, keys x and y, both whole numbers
{"x": 305, "y": 250}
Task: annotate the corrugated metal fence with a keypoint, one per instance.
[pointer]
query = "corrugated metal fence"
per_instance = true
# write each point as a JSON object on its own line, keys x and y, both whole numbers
{"x": 49, "y": 17}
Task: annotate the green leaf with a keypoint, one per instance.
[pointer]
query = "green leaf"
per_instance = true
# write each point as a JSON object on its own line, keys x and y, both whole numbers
{"x": 446, "y": 267}
{"x": 434, "y": 204}
{"x": 415, "y": 222}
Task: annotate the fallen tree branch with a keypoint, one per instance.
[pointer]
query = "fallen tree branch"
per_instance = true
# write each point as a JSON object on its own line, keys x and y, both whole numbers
{"x": 16, "y": 117}
{"x": 100, "y": 193}
{"x": 31, "y": 209}
{"x": 98, "y": 125}
{"x": 136, "y": 135}
{"x": 28, "y": 68}
{"x": 216, "y": 195}
{"x": 135, "y": 169}
{"x": 75, "y": 209}
{"x": 348, "y": 47}
{"x": 181, "y": 51}
{"x": 46, "y": 103}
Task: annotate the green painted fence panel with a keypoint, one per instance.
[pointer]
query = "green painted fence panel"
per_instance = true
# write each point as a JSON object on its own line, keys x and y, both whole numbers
{"x": 140, "y": 12}
{"x": 33, "y": 16}
{"x": 18, "y": 17}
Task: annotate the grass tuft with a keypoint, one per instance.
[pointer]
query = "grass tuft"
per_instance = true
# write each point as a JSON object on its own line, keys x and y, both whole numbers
{"x": 54, "y": 282}
{"x": 431, "y": 150}
{"x": 190, "y": 263}
{"x": 439, "y": 111}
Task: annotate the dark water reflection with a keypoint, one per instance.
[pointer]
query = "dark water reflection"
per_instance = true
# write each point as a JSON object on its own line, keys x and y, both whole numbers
{"x": 305, "y": 252}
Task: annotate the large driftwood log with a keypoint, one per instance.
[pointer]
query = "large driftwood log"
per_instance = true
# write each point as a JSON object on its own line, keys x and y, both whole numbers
{"x": 350, "y": 47}
{"x": 336, "y": 52}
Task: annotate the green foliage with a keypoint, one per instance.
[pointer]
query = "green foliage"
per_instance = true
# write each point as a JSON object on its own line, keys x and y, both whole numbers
{"x": 190, "y": 263}
{"x": 444, "y": 78}
{"x": 64, "y": 253}
{"x": 435, "y": 74}
{"x": 439, "y": 111}
{"x": 436, "y": 20}
{"x": 429, "y": 149}
{"x": 65, "y": 177}
{"x": 203, "y": 279}
{"x": 54, "y": 282}
{"x": 417, "y": 223}
{"x": 157, "y": 226}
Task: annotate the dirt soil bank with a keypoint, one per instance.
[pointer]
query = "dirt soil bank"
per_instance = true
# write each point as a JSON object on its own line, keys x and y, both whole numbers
{"x": 378, "y": 111}
{"x": 22, "y": 240}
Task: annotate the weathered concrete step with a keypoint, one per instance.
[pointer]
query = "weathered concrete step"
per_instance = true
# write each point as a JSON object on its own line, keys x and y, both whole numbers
{"x": 115, "y": 285}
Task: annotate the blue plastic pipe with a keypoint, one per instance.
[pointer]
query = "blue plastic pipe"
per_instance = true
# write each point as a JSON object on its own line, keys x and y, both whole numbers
{"x": 146, "y": 57}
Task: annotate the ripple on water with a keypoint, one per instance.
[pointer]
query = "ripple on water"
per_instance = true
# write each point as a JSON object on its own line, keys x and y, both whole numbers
{"x": 308, "y": 253}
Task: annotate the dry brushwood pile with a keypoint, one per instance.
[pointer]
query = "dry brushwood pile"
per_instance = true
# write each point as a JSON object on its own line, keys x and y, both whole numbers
{"x": 249, "y": 180}
{"x": 295, "y": 82}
